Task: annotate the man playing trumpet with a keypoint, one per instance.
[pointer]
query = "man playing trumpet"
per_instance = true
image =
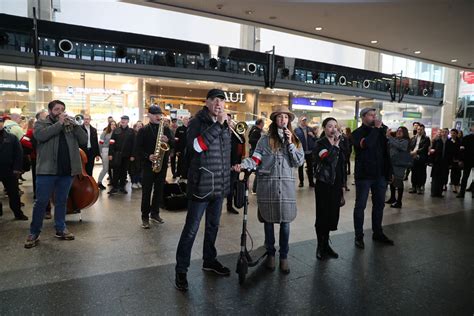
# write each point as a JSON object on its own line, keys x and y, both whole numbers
{"x": 147, "y": 146}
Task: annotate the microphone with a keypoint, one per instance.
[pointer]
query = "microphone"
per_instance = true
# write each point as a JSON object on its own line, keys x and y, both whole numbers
{"x": 285, "y": 137}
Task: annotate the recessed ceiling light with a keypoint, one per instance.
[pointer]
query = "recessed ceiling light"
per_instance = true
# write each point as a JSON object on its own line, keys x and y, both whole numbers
{"x": 319, "y": 28}
{"x": 417, "y": 52}
{"x": 249, "y": 12}
{"x": 454, "y": 60}
{"x": 374, "y": 42}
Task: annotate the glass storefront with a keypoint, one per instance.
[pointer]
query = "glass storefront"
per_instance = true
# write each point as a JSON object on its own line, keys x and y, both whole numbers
{"x": 27, "y": 90}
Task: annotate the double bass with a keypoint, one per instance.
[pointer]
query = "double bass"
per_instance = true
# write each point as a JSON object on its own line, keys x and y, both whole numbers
{"x": 84, "y": 189}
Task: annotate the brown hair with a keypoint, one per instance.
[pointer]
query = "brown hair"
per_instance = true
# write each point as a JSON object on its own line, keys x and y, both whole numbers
{"x": 275, "y": 141}
{"x": 108, "y": 129}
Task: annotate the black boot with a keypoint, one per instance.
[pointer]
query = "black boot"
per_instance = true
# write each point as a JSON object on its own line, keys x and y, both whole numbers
{"x": 398, "y": 203}
{"x": 329, "y": 251}
{"x": 231, "y": 210}
{"x": 320, "y": 254}
{"x": 392, "y": 195}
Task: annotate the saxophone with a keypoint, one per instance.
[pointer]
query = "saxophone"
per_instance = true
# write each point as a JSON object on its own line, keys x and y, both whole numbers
{"x": 160, "y": 149}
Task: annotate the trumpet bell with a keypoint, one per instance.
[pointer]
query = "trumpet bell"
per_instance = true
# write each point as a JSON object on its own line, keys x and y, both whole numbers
{"x": 241, "y": 128}
{"x": 79, "y": 119}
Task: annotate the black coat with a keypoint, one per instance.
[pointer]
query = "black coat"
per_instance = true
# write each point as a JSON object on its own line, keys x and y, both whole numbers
{"x": 180, "y": 134}
{"x": 423, "y": 147}
{"x": 145, "y": 143}
{"x": 439, "y": 161}
{"x": 208, "y": 146}
{"x": 124, "y": 139}
{"x": 11, "y": 154}
{"x": 254, "y": 136}
{"x": 371, "y": 153}
{"x": 467, "y": 151}
{"x": 326, "y": 157}
{"x": 94, "y": 141}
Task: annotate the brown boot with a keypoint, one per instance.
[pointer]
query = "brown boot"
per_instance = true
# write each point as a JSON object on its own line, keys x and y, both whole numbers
{"x": 270, "y": 263}
{"x": 284, "y": 268}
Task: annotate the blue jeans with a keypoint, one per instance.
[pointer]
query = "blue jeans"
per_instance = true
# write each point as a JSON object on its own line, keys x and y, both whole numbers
{"x": 270, "y": 239}
{"x": 196, "y": 210}
{"x": 378, "y": 188}
{"x": 45, "y": 187}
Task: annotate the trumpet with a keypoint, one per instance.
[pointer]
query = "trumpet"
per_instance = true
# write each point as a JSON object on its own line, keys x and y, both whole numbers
{"x": 74, "y": 120}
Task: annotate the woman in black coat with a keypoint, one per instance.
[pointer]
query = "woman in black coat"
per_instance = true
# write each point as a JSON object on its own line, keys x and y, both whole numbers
{"x": 330, "y": 178}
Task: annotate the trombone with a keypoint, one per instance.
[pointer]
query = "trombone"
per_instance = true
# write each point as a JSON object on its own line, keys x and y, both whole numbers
{"x": 239, "y": 130}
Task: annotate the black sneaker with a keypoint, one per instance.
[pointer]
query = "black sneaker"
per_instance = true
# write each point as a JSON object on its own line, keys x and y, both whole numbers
{"x": 21, "y": 217}
{"x": 301, "y": 185}
{"x": 181, "y": 282}
{"x": 216, "y": 267}
{"x": 359, "y": 242}
{"x": 122, "y": 190}
{"x": 113, "y": 191}
{"x": 382, "y": 239}
{"x": 156, "y": 219}
{"x": 101, "y": 186}
{"x": 145, "y": 224}
{"x": 231, "y": 210}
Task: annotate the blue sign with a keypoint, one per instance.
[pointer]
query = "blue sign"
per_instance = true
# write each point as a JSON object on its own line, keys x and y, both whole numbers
{"x": 312, "y": 104}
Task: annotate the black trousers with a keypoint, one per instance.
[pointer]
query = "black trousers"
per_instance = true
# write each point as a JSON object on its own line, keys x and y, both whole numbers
{"x": 465, "y": 176}
{"x": 309, "y": 169}
{"x": 234, "y": 176}
{"x": 119, "y": 173}
{"x": 174, "y": 171}
{"x": 90, "y": 161}
{"x": 10, "y": 182}
{"x": 152, "y": 190}
{"x": 418, "y": 173}
{"x": 455, "y": 174}
{"x": 439, "y": 178}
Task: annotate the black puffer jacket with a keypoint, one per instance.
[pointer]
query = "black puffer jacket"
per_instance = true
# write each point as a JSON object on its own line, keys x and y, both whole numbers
{"x": 326, "y": 157}
{"x": 209, "y": 146}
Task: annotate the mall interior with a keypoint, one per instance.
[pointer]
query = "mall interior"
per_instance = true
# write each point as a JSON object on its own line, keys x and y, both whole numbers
{"x": 111, "y": 58}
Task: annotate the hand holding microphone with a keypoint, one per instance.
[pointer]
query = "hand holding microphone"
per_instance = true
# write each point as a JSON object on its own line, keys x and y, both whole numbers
{"x": 287, "y": 135}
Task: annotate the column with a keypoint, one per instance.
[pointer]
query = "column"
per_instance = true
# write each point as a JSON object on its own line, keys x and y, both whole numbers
{"x": 451, "y": 88}
{"x": 140, "y": 98}
{"x": 249, "y": 37}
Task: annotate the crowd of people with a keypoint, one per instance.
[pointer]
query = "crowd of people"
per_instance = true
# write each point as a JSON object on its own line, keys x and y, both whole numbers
{"x": 208, "y": 153}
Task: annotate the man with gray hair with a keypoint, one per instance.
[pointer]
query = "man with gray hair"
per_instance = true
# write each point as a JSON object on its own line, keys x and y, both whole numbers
{"x": 372, "y": 172}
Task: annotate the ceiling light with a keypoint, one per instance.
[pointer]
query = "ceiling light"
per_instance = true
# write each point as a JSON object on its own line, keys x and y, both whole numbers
{"x": 417, "y": 52}
{"x": 249, "y": 12}
{"x": 454, "y": 60}
{"x": 319, "y": 28}
{"x": 374, "y": 42}
{"x": 272, "y": 17}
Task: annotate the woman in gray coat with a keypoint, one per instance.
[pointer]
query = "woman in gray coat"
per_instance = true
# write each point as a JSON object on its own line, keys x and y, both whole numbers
{"x": 275, "y": 157}
{"x": 399, "y": 156}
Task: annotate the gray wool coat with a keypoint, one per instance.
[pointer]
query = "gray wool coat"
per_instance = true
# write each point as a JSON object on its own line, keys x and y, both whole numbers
{"x": 276, "y": 186}
{"x": 397, "y": 145}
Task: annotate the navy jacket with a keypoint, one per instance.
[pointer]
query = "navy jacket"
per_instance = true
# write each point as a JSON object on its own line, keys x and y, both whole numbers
{"x": 372, "y": 160}
{"x": 309, "y": 143}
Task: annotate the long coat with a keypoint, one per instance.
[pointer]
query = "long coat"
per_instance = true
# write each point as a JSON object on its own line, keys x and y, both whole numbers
{"x": 397, "y": 145}
{"x": 276, "y": 186}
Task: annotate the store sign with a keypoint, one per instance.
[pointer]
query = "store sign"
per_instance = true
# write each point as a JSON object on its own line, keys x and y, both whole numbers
{"x": 468, "y": 77}
{"x": 234, "y": 97}
{"x": 408, "y": 114}
{"x": 73, "y": 90}
{"x": 12, "y": 85}
{"x": 320, "y": 105}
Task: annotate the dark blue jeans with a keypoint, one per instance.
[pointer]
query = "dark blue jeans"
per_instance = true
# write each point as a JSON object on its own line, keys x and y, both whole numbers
{"x": 378, "y": 188}
{"x": 270, "y": 239}
{"x": 45, "y": 187}
{"x": 196, "y": 210}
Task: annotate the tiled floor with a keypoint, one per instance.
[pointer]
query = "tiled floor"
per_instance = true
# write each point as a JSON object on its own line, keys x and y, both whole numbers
{"x": 116, "y": 267}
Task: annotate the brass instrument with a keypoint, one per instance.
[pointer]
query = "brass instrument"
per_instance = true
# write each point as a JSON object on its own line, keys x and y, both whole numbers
{"x": 240, "y": 129}
{"x": 160, "y": 149}
{"x": 72, "y": 121}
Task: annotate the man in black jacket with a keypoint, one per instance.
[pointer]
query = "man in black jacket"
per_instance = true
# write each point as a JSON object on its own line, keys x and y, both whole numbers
{"x": 208, "y": 142}
{"x": 254, "y": 136}
{"x": 441, "y": 155}
{"x": 120, "y": 154}
{"x": 92, "y": 147}
{"x": 11, "y": 160}
{"x": 372, "y": 172}
{"x": 145, "y": 144}
{"x": 419, "y": 146}
{"x": 180, "y": 148}
{"x": 467, "y": 161}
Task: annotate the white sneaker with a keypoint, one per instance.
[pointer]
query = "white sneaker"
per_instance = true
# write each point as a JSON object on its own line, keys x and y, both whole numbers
{"x": 139, "y": 185}
{"x": 134, "y": 186}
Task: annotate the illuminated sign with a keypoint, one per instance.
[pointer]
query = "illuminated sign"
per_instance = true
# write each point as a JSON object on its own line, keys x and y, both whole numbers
{"x": 320, "y": 105}
{"x": 234, "y": 97}
{"x": 73, "y": 90}
{"x": 12, "y": 85}
{"x": 408, "y": 114}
